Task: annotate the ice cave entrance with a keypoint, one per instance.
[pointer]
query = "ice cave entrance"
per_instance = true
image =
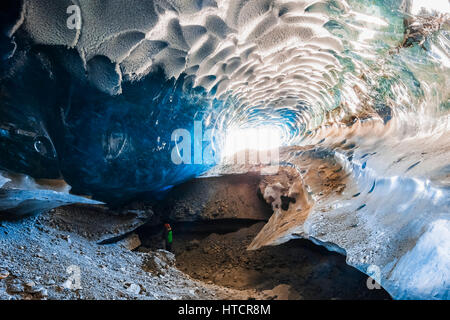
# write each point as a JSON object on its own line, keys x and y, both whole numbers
{"x": 262, "y": 138}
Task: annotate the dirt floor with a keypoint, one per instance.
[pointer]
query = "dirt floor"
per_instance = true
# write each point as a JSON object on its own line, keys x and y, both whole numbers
{"x": 215, "y": 253}
{"x": 92, "y": 252}
{"x": 57, "y": 256}
{"x": 41, "y": 258}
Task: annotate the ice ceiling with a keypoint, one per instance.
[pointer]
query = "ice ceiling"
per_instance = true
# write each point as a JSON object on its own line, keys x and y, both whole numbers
{"x": 97, "y": 105}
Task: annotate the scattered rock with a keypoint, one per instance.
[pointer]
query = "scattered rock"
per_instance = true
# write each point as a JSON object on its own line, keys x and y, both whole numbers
{"x": 159, "y": 261}
{"x": 15, "y": 286}
{"x": 131, "y": 242}
{"x": 4, "y": 273}
{"x": 97, "y": 222}
{"x": 67, "y": 238}
{"x": 29, "y": 286}
{"x": 193, "y": 244}
{"x": 133, "y": 288}
{"x": 282, "y": 292}
{"x": 39, "y": 291}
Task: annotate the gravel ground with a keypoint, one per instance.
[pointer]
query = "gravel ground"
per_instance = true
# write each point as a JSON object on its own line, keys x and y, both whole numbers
{"x": 47, "y": 257}
{"x": 294, "y": 270}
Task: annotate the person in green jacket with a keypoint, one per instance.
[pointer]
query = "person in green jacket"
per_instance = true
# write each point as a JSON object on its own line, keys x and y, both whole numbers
{"x": 167, "y": 237}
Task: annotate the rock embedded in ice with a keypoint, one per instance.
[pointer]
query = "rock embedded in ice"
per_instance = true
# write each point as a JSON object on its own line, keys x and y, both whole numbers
{"x": 14, "y": 202}
{"x": 133, "y": 288}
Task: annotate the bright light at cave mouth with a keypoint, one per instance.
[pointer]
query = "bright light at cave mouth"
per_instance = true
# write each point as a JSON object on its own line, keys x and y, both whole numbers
{"x": 257, "y": 139}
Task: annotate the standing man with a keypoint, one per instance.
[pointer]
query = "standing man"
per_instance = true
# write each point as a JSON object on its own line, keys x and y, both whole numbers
{"x": 167, "y": 237}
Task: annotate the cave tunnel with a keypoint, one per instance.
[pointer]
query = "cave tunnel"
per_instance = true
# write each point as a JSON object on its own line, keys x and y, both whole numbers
{"x": 236, "y": 149}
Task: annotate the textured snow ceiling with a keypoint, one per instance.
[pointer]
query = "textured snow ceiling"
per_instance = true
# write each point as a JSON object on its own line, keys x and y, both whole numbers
{"x": 284, "y": 62}
{"x": 287, "y": 63}
{"x": 92, "y": 90}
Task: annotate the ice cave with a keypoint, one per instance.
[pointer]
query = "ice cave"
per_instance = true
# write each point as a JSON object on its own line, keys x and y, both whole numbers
{"x": 236, "y": 149}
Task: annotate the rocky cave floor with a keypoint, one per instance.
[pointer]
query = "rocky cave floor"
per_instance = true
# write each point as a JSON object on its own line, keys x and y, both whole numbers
{"x": 48, "y": 256}
{"x": 40, "y": 254}
{"x": 215, "y": 254}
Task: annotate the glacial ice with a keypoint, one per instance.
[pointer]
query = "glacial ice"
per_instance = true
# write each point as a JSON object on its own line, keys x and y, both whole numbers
{"x": 364, "y": 80}
{"x": 21, "y": 195}
{"x": 425, "y": 270}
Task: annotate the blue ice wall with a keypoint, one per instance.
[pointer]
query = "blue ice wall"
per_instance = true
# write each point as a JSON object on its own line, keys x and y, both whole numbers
{"x": 55, "y": 124}
{"x": 110, "y": 147}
